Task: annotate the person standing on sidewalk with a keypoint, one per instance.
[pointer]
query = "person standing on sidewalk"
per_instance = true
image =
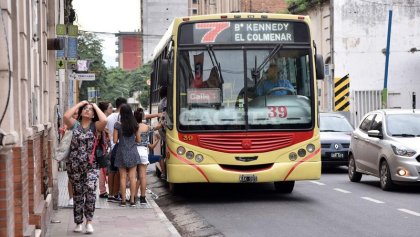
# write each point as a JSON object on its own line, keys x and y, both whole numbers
{"x": 82, "y": 169}
{"x": 105, "y": 107}
{"x": 113, "y": 173}
{"x": 144, "y": 131}
{"x": 125, "y": 133}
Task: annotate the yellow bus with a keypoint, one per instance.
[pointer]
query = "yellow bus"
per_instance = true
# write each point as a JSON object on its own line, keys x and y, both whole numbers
{"x": 242, "y": 103}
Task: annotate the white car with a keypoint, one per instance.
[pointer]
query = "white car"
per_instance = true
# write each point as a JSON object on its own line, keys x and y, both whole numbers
{"x": 386, "y": 144}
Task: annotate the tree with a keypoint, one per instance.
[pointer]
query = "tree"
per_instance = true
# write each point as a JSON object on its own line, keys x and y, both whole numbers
{"x": 90, "y": 48}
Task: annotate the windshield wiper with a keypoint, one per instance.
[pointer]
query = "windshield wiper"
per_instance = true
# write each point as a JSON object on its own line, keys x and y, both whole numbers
{"x": 215, "y": 62}
{"x": 255, "y": 72}
{"x": 404, "y": 135}
{"x": 329, "y": 130}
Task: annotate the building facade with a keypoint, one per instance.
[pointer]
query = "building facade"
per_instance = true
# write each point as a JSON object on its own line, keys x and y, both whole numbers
{"x": 227, "y": 6}
{"x": 129, "y": 50}
{"x": 27, "y": 113}
{"x": 157, "y": 15}
{"x": 354, "y": 44}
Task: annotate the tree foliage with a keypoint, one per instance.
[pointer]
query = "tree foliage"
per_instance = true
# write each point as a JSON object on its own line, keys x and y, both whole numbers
{"x": 114, "y": 82}
{"x": 301, "y": 5}
{"x": 90, "y": 48}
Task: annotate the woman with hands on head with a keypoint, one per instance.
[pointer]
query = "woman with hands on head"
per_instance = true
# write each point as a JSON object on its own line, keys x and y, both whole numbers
{"x": 82, "y": 170}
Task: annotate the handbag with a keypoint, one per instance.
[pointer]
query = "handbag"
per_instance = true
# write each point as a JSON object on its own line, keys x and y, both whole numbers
{"x": 102, "y": 156}
{"x": 100, "y": 152}
{"x": 63, "y": 150}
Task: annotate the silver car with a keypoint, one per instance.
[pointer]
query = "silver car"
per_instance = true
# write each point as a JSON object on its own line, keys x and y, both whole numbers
{"x": 387, "y": 145}
{"x": 335, "y": 139}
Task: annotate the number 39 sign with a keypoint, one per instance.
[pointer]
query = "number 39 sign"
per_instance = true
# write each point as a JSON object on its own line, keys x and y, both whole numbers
{"x": 277, "y": 111}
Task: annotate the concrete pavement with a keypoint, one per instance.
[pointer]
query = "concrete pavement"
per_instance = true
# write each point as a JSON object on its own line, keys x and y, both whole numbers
{"x": 110, "y": 219}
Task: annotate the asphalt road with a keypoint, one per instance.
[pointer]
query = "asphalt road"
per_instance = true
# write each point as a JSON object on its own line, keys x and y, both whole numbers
{"x": 331, "y": 206}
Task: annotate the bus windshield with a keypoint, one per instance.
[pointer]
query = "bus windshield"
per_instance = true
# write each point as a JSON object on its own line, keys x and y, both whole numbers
{"x": 247, "y": 88}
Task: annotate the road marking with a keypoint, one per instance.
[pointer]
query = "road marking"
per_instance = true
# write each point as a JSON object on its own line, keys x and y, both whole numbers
{"x": 341, "y": 190}
{"x": 409, "y": 212}
{"x": 372, "y": 200}
{"x": 316, "y": 182}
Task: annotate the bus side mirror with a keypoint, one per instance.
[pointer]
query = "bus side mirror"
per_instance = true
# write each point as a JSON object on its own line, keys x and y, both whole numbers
{"x": 163, "y": 72}
{"x": 319, "y": 66}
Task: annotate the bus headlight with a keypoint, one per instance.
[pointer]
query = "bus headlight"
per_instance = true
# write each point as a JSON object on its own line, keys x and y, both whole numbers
{"x": 180, "y": 150}
{"x": 199, "y": 158}
{"x": 292, "y": 156}
{"x": 310, "y": 148}
{"x": 302, "y": 152}
{"x": 189, "y": 155}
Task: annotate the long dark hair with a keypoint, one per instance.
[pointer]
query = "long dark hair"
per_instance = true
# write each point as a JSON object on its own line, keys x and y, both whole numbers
{"x": 95, "y": 115}
{"x": 128, "y": 122}
{"x": 139, "y": 115}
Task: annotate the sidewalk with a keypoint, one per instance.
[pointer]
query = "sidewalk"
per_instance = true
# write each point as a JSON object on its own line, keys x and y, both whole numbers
{"x": 110, "y": 219}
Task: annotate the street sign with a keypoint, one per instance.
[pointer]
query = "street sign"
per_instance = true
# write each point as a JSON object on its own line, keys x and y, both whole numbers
{"x": 60, "y": 63}
{"x": 72, "y": 49}
{"x": 85, "y": 76}
{"x": 60, "y": 29}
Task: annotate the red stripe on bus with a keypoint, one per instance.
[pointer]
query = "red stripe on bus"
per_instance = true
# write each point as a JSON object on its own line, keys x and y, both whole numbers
{"x": 301, "y": 161}
{"x": 189, "y": 163}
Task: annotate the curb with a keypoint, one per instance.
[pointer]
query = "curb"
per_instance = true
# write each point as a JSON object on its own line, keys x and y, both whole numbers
{"x": 163, "y": 218}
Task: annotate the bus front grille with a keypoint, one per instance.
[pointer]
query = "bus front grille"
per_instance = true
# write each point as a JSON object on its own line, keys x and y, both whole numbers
{"x": 246, "y": 143}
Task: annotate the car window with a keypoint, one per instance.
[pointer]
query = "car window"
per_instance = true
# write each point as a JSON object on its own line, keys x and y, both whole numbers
{"x": 334, "y": 124}
{"x": 377, "y": 123}
{"x": 365, "y": 125}
{"x": 404, "y": 124}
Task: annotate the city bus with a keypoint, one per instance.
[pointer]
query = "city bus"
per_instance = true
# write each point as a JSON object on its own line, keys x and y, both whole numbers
{"x": 222, "y": 125}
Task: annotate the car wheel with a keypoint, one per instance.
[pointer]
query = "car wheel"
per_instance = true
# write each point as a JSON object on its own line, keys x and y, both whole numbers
{"x": 284, "y": 186}
{"x": 385, "y": 177}
{"x": 354, "y": 176}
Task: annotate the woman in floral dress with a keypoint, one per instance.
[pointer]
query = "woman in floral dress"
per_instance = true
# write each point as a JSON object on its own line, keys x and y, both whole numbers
{"x": 81, "y": 167}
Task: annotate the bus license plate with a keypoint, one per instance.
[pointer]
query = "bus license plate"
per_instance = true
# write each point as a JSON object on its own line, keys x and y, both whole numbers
{"x": 247, "y": 178}
{"x": 337, "y": 155}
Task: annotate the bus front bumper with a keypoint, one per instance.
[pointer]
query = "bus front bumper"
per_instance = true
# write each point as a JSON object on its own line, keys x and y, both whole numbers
{"x": 213, "y": 173}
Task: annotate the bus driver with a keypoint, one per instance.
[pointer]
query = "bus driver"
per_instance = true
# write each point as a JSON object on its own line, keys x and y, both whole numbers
{"x": 273, "y": 80}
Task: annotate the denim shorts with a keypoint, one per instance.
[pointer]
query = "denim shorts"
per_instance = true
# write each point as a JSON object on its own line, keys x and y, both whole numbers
{"x": 144, "y": 154}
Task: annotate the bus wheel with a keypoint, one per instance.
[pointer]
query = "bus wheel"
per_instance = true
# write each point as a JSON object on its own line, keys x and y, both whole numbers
{"x": 173, "y": 188}
{"x": 284, "y": 186}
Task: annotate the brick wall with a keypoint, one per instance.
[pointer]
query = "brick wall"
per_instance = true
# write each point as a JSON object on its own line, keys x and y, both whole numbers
{"x": 34, "y": 178}
{"x": 269, "y": 6}
{"x": 20, "y": 181}
{"x": 6, "y": 195}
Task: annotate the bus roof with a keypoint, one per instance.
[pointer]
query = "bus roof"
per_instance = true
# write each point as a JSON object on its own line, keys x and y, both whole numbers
{"x": 237, "y": 16}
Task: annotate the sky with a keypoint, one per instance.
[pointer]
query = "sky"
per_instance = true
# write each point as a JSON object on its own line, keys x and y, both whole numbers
{"x": 110, "y": 16}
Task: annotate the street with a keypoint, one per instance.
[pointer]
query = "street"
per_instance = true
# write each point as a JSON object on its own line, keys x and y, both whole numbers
{"x": 331, "y": 206}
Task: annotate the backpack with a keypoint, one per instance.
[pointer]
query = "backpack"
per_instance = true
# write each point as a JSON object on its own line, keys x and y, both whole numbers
{"x": 102, "y": 152}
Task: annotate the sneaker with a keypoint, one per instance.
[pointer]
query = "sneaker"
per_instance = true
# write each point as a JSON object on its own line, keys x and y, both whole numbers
{"x": 103, "y": 195}
{"x": 163, "y": 176}
{"x": 79, "y": 228}
{"x": 111, "y": 198}
{"x": 132, "y": 204}
{"x": 143, "y": 200}
{"x": 123, "y": 204}
{"x": 89, "y": 228}
{"x": 117, "y": 198}
{"x": 71, "y": 202}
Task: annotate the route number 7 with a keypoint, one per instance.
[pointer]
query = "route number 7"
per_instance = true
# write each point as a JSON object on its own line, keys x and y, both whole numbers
{"x": 215, "y": 28}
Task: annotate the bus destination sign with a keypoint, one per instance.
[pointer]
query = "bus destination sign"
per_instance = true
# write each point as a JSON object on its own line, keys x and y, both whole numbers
{"x": 233, "y": 32}
{"x": 262, "y": 32}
